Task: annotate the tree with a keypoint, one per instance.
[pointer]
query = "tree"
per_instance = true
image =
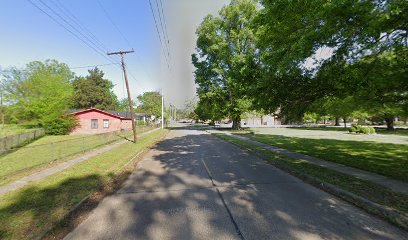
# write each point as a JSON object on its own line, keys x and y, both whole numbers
{"x": 39, "y": 94}
{"x": 366, "y": 41}
{"x": 150, "y": 103}
{"x": 123, "y": 105}
{"x": 227, "y": 61}
{"x": 94, "y": 91}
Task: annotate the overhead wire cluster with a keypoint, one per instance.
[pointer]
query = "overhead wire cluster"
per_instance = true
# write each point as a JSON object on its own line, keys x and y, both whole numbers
{"x": 162, "y": 33}
{"x": 107, "y": 15}
{"x": 65, "y": 19}
{"x": 58, "y": 13}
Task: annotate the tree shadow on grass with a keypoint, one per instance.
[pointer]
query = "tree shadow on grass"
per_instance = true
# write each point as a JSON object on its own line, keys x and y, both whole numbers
{"x": 382, "y": 158}
{"x": 34, "y": 210}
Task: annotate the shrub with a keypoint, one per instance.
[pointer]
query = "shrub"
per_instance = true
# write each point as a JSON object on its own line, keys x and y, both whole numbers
{"x": 361, "y": 129}
{"x": 140, "y": 123}
{"x": 364, "y": 130}
{"x": 354, "y": 129}
{"x": 60, "y": 126}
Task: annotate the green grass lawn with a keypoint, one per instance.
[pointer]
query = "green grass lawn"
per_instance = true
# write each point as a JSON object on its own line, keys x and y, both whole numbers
{"x": 30, "y": 212}
{"x": 371, "y": 191}
{"x": 403, "y": 132}
{"x": 383, "y": 158}
{"x": 50, "y": 149}
{"x": 12, "y": 129}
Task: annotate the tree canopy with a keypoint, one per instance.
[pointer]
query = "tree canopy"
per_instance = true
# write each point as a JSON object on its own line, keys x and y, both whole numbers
{"x": 39, "y": 94}
{"x": 94, "y": 91}
{"x": 287, "y": 57}
{"x": 150, "y": 103}
{"x": 226, "y": 62}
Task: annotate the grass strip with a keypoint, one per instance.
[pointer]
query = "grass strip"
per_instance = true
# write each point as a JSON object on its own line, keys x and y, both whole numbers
{"x": 387, "y": 159}
{"x": 49, "y": 151}
{"x": 376, "y": 193}
{"x": 33, "y": 210}
{"x": 397, "y": 131}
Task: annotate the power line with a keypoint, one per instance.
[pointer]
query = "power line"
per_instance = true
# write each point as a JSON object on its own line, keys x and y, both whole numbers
{"x": 158, "y": 33}
{"x": 113, "y": 23}
{"x": 71, "y": 68}
{"x": 124, "y": 38}
{"x": 71, "y": 16}
{"x": 86, "y": 41}
{"x": 161, "y": 24}
{"x": 73, "y": 27}
{"x": 98, "y": 65}
{"x": 67, "y": 29}
{"x": 165, "y": 27}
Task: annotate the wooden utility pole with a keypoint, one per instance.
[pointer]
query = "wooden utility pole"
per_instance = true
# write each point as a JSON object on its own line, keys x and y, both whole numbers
{"x": 132, "y": 114}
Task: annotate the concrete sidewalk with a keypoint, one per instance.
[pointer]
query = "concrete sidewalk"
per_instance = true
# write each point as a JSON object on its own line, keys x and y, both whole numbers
{"x": 395, "y": 185}
{"x": 61, "y": 167}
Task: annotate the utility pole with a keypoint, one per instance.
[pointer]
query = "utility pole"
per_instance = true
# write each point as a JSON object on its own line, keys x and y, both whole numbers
{"x": 132, "y": 114}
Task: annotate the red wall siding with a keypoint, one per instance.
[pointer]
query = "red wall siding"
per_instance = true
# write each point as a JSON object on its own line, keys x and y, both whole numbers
{"x": 84, "y": 127}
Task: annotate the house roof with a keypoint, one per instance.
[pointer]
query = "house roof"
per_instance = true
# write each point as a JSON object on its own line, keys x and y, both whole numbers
{"x": 120, "y": 115}
{"x": 77, "y": 112}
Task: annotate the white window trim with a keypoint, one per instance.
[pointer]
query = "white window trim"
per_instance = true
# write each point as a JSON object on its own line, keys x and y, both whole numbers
{"x": 106, "y": 121}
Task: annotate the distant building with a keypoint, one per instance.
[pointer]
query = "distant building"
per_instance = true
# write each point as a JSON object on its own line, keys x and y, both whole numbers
{"x": 260, "y": 121}
{"x": 94, "y": 121}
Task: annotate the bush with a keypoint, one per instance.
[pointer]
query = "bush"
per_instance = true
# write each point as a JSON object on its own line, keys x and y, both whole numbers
{"x": 140, "y": 123}
{"x": 361, "y": 129}
{"x": 60, "y": 126}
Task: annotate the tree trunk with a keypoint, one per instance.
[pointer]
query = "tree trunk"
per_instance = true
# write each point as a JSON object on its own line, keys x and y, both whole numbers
{"x": 345, "y": 122}
{"x": 324, "y": 121}
{"x": 236, "y": 123}
{"x": 390, "y": 123}
{"x": 337, "y": 121}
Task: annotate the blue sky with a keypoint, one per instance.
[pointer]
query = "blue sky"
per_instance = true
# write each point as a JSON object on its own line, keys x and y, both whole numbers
{"x": 27, "y": 34}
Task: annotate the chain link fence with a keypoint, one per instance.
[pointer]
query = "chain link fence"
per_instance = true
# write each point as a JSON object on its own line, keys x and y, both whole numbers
{"x": 17, "y": 140}
{"x": 55, "y": 148}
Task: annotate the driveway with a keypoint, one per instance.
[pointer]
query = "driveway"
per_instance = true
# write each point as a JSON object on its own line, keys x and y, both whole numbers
{"x": 195, "y": 186}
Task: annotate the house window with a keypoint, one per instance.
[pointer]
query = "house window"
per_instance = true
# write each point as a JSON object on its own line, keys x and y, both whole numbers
{"x": 94, "y": 123}
{"x": 105, "y": 123}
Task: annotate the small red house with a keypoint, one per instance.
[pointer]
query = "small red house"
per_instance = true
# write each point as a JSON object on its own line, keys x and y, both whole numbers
{"x": 94, "y": 121}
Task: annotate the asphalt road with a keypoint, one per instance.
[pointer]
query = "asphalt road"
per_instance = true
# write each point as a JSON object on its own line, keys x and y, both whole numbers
{"x": 194, "y": 186}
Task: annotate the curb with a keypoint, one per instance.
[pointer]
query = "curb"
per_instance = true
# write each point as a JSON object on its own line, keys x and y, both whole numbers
{"x": 371, "y": 207}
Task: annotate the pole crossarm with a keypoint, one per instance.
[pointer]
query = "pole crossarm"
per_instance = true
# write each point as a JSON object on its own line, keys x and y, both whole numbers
{"x": 120, "y": 52}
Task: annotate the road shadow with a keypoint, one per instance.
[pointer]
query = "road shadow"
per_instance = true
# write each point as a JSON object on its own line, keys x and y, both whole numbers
{"x": 174, "y": 198}
{"x": 171, "y": 196}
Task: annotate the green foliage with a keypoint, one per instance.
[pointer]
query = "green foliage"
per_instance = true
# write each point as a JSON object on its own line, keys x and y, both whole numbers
{"x": 150, "y": 103}
{"x": 227, "y": 61}
{"x": 39, "y": 93}
{"x": 365, "y": 44}
{"x": 123, "y": 105}
{"x": 361, "y": 129}
{"x": 60, "y": 126}
{"x": 94, "y": 91}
